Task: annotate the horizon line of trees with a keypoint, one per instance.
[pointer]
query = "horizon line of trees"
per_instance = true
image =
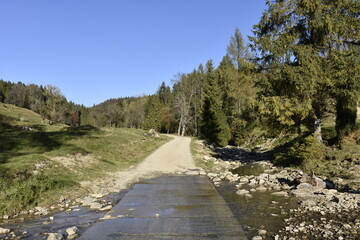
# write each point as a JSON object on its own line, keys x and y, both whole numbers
{"x": 301, "y": 65}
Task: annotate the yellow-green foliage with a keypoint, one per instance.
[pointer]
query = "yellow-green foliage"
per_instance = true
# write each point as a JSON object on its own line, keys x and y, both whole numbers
{"x": 282, "y": 109}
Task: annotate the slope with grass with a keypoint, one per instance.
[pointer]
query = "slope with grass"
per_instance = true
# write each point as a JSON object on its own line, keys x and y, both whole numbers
{"x": 39, "y": 162}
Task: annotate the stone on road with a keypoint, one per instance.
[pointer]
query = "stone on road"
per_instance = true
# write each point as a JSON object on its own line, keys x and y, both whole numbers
{"x": 170, "y": 207}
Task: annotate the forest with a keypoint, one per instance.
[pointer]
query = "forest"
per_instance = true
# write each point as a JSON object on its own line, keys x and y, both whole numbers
{"x": 298, "y": 72}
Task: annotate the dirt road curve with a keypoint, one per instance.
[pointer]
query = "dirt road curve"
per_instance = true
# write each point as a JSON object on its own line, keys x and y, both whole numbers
{"x": 171, "y": 157}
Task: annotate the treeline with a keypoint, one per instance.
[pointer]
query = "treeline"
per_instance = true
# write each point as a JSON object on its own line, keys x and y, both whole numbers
{"x": 301, "y": 65}
{"x": 47, "y": 101}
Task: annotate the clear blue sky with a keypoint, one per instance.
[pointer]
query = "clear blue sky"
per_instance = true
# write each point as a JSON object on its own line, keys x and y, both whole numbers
{"x": 94, "y": 50}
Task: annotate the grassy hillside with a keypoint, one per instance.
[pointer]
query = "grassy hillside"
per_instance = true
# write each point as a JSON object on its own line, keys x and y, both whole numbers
{"x": 14, "y": 116}
{"x": 41, "y": 162}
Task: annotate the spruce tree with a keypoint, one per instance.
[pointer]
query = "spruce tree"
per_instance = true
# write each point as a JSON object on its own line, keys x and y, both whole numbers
{"x": 214, "y": 124}
{"x": 300, "y": 42}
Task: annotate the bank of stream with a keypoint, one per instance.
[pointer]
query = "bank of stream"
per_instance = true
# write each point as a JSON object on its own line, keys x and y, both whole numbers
{"x": 263, "y": 211}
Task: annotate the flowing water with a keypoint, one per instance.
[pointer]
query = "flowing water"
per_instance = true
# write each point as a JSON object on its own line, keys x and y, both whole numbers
{"x": 262, "y": 211}
{"x": 36, "y": 228}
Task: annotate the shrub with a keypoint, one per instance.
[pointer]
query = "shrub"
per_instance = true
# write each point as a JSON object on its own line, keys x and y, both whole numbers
{"x": 304, "y": 152}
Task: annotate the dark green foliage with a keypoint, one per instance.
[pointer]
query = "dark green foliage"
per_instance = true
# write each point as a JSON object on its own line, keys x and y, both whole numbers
{"x": 346, "y": 113}
{"x": 305, "y": 47}
{"x": 152, "y": 113}
{"x": 165, "y": 95}
{"x": 214, "y": 127}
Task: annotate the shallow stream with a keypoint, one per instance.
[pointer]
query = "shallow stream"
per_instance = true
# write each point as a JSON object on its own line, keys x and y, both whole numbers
{"x": 262, "y": 211}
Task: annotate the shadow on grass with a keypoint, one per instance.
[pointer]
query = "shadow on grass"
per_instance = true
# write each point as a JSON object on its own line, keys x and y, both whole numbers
{"x": 18, "y": 141}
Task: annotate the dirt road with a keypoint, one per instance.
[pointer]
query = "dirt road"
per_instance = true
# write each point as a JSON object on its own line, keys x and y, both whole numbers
{"x": 172, "y": 157}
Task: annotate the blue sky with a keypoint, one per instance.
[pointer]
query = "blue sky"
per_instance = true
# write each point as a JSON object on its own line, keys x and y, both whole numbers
{"x": 94, "y": 50}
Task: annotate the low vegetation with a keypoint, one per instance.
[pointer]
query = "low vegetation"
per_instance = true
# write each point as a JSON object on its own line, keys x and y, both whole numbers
{"x": 40, "y": 162}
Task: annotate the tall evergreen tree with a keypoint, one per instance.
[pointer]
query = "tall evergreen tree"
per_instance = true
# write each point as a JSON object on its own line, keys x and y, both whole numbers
{"x": 152, "y": 110}
{"x": 214, "y": 123}
{"x": 297, "y": 39}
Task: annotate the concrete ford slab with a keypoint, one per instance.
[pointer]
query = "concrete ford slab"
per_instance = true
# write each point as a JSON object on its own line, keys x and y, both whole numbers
{"x": 171, "y": 207}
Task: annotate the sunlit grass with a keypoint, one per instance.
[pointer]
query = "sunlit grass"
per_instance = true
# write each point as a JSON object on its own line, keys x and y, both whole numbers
{"x": 39, "y": 165}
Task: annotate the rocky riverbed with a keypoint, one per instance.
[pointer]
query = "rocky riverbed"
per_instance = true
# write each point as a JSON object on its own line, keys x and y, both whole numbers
{"x": 315, "y": 208}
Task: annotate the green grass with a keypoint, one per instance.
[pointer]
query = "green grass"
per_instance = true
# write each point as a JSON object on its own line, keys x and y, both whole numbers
{"x": 38, "y": 166}
{"x": 198, "y": 151}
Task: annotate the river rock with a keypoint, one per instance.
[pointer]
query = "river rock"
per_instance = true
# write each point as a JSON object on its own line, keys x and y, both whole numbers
{"x": 257, "y": 238}
{"x": 243, "y": 180}
{"x": 106, "y": 208}
{"x": 4, "y": 230}
{"x": 97, "y": 195}
{"x": 95, "y": 206}
{"x": 55, "y": 236}
{"x": 318, "y": 182}
{"x": 262, "y": 232}
{"x": 261, "y": 188}
{"x": 242, "y": 192}
{"x": 281, "y": 193}
{"x": 216, "y": 179}
{"x": 212, "y": 175}
{"x": 306, "y": 186}
{"x": 72, "y": 232}
{"x": 302, "y": 193}
{"x": 41, "y": 211}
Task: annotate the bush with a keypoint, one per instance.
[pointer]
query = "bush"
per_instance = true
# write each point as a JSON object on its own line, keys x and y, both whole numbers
{"x": 303, "y": 152}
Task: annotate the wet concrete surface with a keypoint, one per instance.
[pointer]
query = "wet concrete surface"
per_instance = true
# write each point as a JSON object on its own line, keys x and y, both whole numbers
{"x": 170, "y": 207}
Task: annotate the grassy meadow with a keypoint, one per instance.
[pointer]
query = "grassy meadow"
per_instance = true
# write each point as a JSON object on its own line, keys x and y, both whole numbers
{"x": 39, "y": 162}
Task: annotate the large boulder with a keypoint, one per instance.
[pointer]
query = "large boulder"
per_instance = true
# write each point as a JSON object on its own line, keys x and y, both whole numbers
{"x": 55, "y": 236}
{"x": 4, "y": 230}
{"x": 153, "y": 133}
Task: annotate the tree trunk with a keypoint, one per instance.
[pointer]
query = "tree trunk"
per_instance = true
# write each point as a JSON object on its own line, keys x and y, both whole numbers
{"x": 317, "y": 130}
{"x": 180, "y": 124}
{"x": 183, "y": 130}
{"x": 317, "y": 122}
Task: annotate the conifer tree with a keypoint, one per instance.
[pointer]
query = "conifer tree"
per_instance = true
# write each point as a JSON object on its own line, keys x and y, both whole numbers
{"x": 297, "y": 40}
{"x": 214, "y": 123}
{"x": 152, "y": 111}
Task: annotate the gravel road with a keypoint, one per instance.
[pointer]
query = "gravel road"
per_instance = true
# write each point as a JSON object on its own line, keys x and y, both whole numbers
{"x": 172, "y": 157}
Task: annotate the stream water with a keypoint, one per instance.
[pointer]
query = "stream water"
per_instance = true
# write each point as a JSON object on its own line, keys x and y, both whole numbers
{"x": 262, "y": 211}
{"x": 37, "y": 227}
